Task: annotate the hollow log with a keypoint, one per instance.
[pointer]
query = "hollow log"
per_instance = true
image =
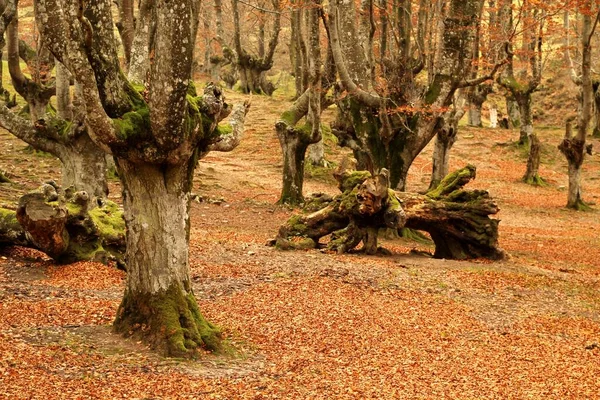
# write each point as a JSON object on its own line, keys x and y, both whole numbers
{"x": 457, "y": 220}
{"x": 68, "y": 226}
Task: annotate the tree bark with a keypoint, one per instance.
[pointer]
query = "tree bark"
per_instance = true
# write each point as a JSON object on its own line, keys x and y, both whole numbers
{"x": 528, "y": 136}
{"x": 139, "y": 61}
{"x": 526, "y": 118}
{"x": 316, "y": 154}
{"x": 293, "y": 144}
{"x": 84, "y": 166}
{"x": 126, "y": 27}
{"x": 493, "y": 116}
{"x": 159, "y": 303}
{"x": 445, "y": 139}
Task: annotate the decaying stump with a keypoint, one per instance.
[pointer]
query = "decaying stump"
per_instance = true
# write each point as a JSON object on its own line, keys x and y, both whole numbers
{"x": 68, "y": 226}
{"x": 457, "y": 220}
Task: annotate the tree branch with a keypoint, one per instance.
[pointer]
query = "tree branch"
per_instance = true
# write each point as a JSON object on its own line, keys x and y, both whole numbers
{"x": 363, "y": 96}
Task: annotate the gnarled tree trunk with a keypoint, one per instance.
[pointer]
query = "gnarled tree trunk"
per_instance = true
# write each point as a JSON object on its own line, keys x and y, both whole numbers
{"x": 66, "y": 225}
{"x": 156, "y": 200}
{"x": 458, "y": 220}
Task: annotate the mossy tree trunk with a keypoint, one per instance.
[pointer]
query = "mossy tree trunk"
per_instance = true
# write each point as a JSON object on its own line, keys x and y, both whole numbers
{"x": 458, "y": 220}
{"x": 294, "y": 142}
{"x": 445, "y": 139}
{"x": 388, "y": 128}
{"x": 294, "y": 139}
{"x": 528, "y": 137}
{"x": 477, "y": 96}
{"x": 159, "y": 303}
{"x": 360, "y": 128}
{"x": 523, "y": 101}
{"x": 156, "y": 134}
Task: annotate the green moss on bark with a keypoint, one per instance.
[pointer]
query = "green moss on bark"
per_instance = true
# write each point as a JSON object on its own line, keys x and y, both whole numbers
{"x": 169, "y": 321}
{"x": 109, "y": 221}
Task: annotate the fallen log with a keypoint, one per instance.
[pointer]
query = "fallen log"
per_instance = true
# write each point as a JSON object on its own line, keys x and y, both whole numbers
{"x": 457, "y": 220}
{"x": 68, "y": 227}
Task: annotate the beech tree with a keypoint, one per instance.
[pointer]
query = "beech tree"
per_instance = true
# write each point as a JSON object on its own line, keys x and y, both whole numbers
{"x": 386, "y": 116}
{"x": 156, "y": 133}
{"x": 573, "y": 147}
{"x": 61, "y": 132}
{"x": 294, "y": 136}
{"x": 252, "y": 67}
{"x": 522, "y": 77}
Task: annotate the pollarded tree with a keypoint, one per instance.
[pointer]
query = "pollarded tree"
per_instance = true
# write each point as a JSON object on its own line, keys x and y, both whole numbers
{"x": 573, "y": 147}
{"x": 387, "y": 116}
{"x": 252, "y": 67}
{"x": 156, "y": 134}
{"x": 61, "y": 132}
{"x": 294, "y": 136}
{"x": 523, "y": 79}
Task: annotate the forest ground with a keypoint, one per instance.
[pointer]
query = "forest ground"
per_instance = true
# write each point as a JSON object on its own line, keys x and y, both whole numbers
{"x": 311, "y": 325}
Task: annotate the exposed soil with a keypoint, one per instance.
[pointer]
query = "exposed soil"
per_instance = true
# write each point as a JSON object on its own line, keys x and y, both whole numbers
{"x": 311, "y": 325}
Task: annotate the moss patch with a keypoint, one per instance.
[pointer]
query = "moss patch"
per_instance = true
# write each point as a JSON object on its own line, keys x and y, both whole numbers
{"x": 109, "y": 221}
{"x": 169, "y": 321}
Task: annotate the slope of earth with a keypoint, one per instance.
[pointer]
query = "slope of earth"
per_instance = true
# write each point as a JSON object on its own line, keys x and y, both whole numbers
{"x": 312, "y": 325}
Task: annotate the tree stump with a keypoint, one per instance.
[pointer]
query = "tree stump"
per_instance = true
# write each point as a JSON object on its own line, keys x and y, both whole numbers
{"x": 68, "y": 227}
{"x": 457, "y": 220}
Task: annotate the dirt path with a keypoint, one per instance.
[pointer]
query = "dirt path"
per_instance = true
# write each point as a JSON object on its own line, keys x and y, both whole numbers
{"x": 312, "y": 325}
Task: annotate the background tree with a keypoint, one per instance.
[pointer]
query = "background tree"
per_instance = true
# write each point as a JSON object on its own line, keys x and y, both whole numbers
{"x": 521, "y": 84}
{"x": 385, "y": 115}
{"x": 252, "y": 68}
{"x": 61, "y": 132}
{"x": 573, "y": 147}
{"x": 294, "y": 139}
{"x": 156, "y": 134}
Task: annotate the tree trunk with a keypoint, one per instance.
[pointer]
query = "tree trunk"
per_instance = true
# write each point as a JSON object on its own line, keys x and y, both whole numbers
{"x": 493, "y": 117}
{"x": 316, "y": 154}
{"x": 532, "y": 176}
{"x": 475, "y": 115}
{"x": 293, "y": 144}
{"x": 512, "y": 110}
{"x": 527, "y": 136}
{"x": 526, "y": 118}
{"x": 126, "y": 27}
{"x": 84, "y": 166}
{"x": 457, "y": 220}
{"x": 159, "y": 304}
{"x": 70, "y": 227}
{"x": 140, "y": 46}
{"x": 444, "y": 141}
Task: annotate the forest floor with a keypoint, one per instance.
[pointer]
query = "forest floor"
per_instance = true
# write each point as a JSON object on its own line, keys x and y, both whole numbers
{"x": 310, "y": 325}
